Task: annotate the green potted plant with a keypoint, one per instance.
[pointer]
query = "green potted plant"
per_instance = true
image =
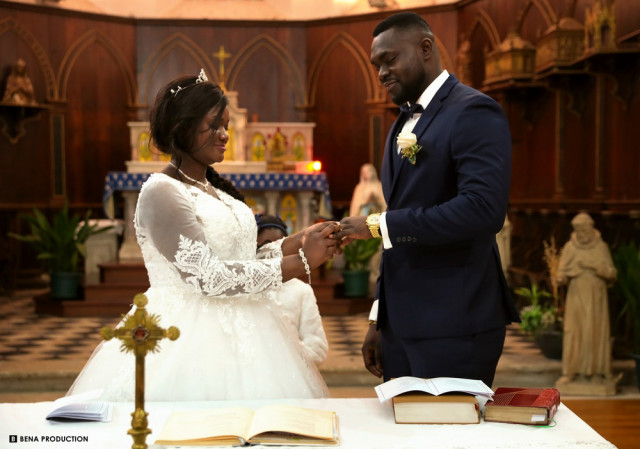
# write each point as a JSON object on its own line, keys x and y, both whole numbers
{"x": 627, "y": 261}
{"x": 540, "y": 320}
{"x": 61, "y": 244}
{"x": 357, "y": 256}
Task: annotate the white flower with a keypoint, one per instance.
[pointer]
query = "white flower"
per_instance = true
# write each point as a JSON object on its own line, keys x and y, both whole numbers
{"x": 409, "y": 147}
{"x": 406, "y": 140}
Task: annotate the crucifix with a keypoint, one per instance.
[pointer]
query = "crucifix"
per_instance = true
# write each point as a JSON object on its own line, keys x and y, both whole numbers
{"x": 221, "y": 55}
{"x": 140, "y": 334}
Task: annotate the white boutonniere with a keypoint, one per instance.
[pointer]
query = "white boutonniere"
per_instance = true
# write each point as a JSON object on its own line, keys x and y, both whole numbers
{"x": 409, "y": 147}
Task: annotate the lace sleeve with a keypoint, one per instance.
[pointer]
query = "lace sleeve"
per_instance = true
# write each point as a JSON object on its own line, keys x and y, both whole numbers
{"x": 271, "y": 250}
{"x": 165, "y": 215}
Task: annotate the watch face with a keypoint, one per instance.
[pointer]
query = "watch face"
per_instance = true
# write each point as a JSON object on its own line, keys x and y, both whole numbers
{"x": 373, "y": 219}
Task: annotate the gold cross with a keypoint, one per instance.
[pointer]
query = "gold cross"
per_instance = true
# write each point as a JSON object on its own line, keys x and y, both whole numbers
{"x": 140, "y": 334}
{"x": 221, "y": 55}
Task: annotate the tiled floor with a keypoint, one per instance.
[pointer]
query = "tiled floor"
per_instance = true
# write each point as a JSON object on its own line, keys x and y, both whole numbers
{"x": 45, "y": 352}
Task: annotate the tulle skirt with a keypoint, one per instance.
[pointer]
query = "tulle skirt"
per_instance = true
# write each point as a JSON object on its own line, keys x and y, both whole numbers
{"x": 229, "y": 348}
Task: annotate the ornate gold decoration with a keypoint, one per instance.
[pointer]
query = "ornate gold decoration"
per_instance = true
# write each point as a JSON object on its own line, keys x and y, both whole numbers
{"x": 221, "y": 55}
{"x": 560, "y": 45}
{"x": 140, "y": 334}
{"x": 514, "y": 59}
{"x": 600, "y": 26}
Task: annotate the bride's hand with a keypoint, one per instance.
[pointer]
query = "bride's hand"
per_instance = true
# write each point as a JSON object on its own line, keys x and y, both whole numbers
{"x": 319, "y": 242}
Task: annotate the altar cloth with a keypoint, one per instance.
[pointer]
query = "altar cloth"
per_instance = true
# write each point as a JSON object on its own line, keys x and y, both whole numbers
{"x": 317, "y": 182}
{"x": 364, "y": 424}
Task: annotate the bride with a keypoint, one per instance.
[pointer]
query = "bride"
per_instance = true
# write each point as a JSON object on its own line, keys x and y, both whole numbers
{"x": 198, "y": 240}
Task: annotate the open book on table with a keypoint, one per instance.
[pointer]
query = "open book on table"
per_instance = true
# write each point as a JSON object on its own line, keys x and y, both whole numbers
{"x": 276, "y": 424}
{"x": 435, "y": 386}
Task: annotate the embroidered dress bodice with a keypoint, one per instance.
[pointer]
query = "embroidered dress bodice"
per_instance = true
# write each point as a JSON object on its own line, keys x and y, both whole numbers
{"x": 208, "y": 279}
{"x": 208, "y": 243}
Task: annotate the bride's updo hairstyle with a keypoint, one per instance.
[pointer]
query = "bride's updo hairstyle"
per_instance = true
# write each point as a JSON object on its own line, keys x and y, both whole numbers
{"x": 176, "y": 115}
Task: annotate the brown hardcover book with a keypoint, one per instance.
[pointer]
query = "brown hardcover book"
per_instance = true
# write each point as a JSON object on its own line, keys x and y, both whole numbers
{"x": 523, "y": 405}
{"x": 424, "y": 408}
{"x": 277, "y": 424}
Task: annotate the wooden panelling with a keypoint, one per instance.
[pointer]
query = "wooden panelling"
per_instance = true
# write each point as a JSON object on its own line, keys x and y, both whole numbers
{"x": 574, "y": 137}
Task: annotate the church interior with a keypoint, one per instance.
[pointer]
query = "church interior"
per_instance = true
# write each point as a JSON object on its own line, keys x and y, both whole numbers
{"x": 306, "y": 112}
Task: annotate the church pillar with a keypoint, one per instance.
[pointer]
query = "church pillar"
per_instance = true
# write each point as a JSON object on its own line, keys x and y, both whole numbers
{"x": 304, "y": 199}
{"x": 129, "y": 249}
{"x": 272, "y": 202}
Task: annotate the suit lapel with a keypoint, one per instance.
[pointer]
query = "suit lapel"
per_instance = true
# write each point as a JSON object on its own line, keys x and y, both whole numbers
{"x": 419, "y": 129}
{"x": 434, "y": 106}
{"x": 390, "y": 163}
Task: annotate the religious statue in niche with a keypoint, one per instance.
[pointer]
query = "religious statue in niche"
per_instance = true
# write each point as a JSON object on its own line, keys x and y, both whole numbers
{"x": 144, "y": 148}
{"x": 367, "y": 196}
{"x": 277, "y": 146}
{"x": 19, "y": 90}
{"x": 257, "y": 147}
{"x": 289, "y": 212}
{"x": 586, "y": 267}
{"x": 299, "y": 147}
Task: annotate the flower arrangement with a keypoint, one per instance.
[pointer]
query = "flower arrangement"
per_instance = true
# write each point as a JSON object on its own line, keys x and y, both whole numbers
{"x": 409, "y": 147}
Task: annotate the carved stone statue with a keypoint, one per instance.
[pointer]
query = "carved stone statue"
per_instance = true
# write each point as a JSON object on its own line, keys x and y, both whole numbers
{"x": 19, "y": 89}
{"x": 367, "y": 196}
{"x": 586, "y": 267}
{"x": 368, "y": 199}
{"x": 503, "y": 238}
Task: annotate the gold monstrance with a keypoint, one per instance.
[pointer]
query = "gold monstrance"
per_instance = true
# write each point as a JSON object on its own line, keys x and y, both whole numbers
{"x": 140, "y": 334}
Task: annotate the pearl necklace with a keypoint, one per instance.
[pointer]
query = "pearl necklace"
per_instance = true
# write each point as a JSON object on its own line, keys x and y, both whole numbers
{"x": 204, "y": 185}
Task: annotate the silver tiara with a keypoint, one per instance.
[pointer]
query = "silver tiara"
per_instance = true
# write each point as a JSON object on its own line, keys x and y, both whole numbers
{"x": 202, "y": 77}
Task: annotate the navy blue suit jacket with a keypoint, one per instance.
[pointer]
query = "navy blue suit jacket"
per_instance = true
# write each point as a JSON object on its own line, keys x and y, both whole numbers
{"x": 443, "y": 276}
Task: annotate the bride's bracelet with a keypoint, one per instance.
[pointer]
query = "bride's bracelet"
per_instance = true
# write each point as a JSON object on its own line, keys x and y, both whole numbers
{"x": 306, "y": 264}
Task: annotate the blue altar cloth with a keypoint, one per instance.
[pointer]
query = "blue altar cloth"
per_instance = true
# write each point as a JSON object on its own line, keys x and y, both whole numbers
{"x": 317, "y": 182}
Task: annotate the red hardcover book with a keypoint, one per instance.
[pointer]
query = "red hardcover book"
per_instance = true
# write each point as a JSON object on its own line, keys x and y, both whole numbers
{"x": 523, "y": 405}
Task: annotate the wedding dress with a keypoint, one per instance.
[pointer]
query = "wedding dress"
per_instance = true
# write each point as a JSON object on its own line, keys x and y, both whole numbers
{"x": 207, "y": 280}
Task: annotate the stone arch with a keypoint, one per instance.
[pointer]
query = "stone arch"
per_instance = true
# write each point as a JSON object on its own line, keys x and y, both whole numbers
{"x": 546, "y": 11}
{"x": 9, "y": 24}
{"x": 89, "y": 38}
{"x": 177, "y": 40}
{"x": 373, "y": 88}
{"x": 271, "y": 45}
{"x": 484, "y": 20}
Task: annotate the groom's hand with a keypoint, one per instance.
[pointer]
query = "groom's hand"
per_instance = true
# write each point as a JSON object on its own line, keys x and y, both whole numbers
{"x": 372, "y": 351}
{"x": 353, "y": 228}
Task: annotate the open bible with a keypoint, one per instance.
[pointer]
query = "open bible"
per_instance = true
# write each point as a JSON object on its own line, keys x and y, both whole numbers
{"x": 440, "y": 400}
{"x": 276, "y": 424}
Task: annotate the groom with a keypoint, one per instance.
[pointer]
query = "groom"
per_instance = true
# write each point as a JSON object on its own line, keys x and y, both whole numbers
{"x": 442, "y": 302}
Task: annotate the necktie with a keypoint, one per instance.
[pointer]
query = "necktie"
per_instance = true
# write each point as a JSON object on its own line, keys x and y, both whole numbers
{"x": 411, "y": 108}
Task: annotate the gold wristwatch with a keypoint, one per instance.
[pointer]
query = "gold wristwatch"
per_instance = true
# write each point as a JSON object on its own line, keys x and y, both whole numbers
{"x": 373, "y": 223}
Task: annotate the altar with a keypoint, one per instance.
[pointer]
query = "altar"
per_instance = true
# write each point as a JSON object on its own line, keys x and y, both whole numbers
{"x": 298, "y": 198}
{"x": 271, "y": 163}
{"x": 363, "y": 423}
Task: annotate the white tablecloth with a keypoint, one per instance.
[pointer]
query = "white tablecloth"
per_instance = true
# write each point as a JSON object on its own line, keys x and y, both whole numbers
{"x": 364, "y": 424}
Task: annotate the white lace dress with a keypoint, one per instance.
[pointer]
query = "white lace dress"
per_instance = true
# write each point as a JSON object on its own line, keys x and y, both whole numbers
{"x": 206, "y": 279}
